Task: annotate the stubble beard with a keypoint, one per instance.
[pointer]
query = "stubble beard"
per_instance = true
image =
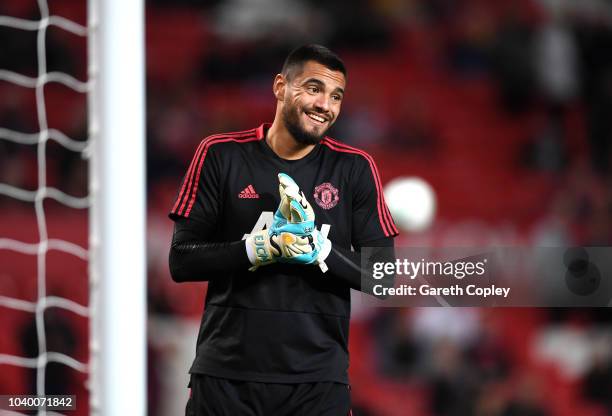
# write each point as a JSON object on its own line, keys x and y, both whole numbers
{"x": 291, "y": 118}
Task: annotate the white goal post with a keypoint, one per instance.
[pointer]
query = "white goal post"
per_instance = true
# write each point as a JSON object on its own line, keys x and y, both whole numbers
{"x": 118, "y": 213}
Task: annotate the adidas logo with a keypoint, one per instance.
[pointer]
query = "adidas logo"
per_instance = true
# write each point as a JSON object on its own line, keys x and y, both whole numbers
{"x": 249, "y": 192}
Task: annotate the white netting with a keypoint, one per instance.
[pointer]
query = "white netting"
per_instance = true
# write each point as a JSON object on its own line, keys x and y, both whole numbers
{"x": 41, "y": 193}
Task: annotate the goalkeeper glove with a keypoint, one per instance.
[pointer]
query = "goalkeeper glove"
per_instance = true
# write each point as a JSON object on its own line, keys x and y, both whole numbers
{"x": 296, "y": 216}
{"x": 293, "y": 209}
{"x": 294, "y": 213}
{"x": 261, "y": 247}
{"x": 313, "y": 249}
{"x": 264, "y": 247}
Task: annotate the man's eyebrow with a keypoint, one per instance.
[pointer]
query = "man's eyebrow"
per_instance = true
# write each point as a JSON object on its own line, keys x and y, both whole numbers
{"x": 322, "y": 84}
{"x": 314, "y": 81}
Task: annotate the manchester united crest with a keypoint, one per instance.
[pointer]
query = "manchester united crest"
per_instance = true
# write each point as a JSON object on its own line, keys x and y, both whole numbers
{"x": 326, "y": 195}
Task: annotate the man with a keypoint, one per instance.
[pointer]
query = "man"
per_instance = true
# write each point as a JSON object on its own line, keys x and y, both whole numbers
{"x": 274, "y": 337}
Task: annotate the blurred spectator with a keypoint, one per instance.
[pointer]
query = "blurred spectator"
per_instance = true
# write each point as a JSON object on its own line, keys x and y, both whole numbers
{"x": 399, "y": 353}
{"x": 454, "y": 384}
{"x": 460, "y": 326}
{"x": 172, "y": 133}
{"x": 593, "y": 204}
{"x": 491, "y": 400}
{"x": 597, "y": 383}
{"x": 556, "y": 57}
{"x": 356, "y": 25}
{"x": 579, "y": 213}
{"x": 18, "y": 53}
{"x": 556, "y": 229}
{"x": 513, "y": 62}
{"x": 60, "y": 337}
{"x": 526, "y": 400}
{"x": 413, "y": 129}
{"x": 471, "y": 41}
{"x": 226, "y": 63}
{"x": 17, "y": 160}
{"x": 362, "y": 122}
{"x": 59, "y": 57}
{"x": 408, "y": 338}
{"x": 595, "y": 40}
{"x": 488, "y": 355}
{"x": 251, "y": 20}
{"x": 556, "y": 62}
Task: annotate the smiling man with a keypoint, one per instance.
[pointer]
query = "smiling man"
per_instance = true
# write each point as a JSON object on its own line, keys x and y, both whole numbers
{"x": 274, "y": 336}
{"x": 310, "y": 96}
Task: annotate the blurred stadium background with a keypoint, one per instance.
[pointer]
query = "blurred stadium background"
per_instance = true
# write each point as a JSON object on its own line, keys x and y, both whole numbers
{"x": 505, "y": 108}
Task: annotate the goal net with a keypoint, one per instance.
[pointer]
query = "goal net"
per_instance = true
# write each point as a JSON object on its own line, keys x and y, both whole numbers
{"x": 72, "y": 272}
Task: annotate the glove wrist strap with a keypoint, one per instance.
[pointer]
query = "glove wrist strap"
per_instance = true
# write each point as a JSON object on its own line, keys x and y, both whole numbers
{"x": 250, "y": 250}
{"x": 325, "y": 250}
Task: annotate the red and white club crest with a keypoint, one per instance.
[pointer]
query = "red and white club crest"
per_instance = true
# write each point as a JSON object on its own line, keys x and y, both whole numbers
{"x": 326, "y": 195}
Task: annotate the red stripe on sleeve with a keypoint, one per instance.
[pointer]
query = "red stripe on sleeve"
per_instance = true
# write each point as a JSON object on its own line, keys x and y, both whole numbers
{"x": 188, "y": 176}
{"x": 383, "y": 223}
{"x": 376, "y": 174}
{"x": 384, "y": 217}
{"x": 197, "y": 178}
{"x": 193, "y": 184}
{"x": 188, "y": 181}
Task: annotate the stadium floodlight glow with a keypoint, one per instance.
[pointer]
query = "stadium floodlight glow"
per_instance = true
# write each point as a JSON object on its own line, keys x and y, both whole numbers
{"x": 117, "y": 215}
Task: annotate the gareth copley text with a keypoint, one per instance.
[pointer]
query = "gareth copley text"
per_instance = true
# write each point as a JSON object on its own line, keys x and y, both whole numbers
{"x": 455, "y": 290}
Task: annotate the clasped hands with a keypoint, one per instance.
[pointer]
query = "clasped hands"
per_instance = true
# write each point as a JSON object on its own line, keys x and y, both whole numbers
{"x": 293, "y": 237}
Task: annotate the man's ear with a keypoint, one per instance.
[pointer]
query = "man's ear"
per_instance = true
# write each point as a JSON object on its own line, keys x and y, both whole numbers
{"x": 278, "y": 87}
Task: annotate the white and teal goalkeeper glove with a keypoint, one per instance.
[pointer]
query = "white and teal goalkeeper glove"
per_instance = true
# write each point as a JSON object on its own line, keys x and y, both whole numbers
{"x": 284, "y": 243}
{"x": 292, "y": 238}
{"x": 265, "y": 247}
{"x": 296, "y": 216}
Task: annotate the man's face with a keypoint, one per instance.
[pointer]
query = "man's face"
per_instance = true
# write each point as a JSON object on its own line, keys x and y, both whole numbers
{"x": 312, "y": 102}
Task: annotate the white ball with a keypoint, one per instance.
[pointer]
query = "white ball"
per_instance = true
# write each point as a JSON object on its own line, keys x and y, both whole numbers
{"x": 412, "y": 202}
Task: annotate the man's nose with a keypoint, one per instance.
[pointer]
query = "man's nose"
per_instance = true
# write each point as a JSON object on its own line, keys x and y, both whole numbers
{"x": 322, "y": 103}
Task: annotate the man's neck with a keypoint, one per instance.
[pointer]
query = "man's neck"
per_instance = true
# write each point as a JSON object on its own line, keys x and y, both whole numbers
{"x": 284, "y": 145}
